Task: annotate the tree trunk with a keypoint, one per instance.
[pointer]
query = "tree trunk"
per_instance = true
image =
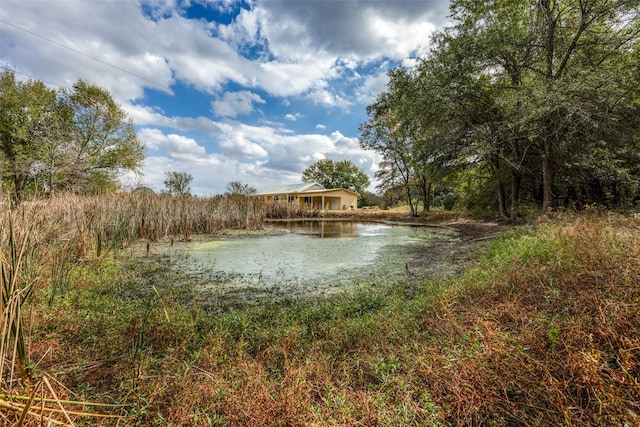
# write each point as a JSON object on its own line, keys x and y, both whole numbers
{"x": 516, "y": 179}
{"x": 414, "y": 211}
{"x": 502, "y": 200}
{"x": 548, "y": 172}
{"x": 426, "y": 194}
{"x": 18, "y": 184}
{"x": 425, "y": 188}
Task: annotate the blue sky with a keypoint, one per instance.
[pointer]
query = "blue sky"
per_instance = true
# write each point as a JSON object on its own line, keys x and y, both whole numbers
{"x": 252, "y": 91}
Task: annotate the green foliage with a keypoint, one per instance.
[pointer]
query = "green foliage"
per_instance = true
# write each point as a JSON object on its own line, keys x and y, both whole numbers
{"x": 369, "y": 199}
{"x": 105, "y": 140}
{"x": 339, "y": 174}
{"x": 25, "y": 107}
{"x": 391, "y": 132}
{"x": 539, "y": 96}
{"x": 77, "y": 138}
{"x": 449, "y": 200}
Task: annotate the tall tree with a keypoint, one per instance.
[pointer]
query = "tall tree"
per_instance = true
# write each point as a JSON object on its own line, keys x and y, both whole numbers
{"x": 404, "y": 125}
{"x": 521, "y": 93}
{"x": 105, "y": 142}
{"x": 24, "y": 107}
{"x": 53, "y": 136}
{"x": 79, "y": 139}
{"x": 337, "y": 174}
{"x": 383, "y": 134}
{"x": 491, "y": 43}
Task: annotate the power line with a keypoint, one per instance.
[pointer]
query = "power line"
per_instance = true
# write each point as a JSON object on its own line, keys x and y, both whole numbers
{"x": 169, "y": 119}
{"x": 14, "y": 70}
{"x": 86, "y": 55}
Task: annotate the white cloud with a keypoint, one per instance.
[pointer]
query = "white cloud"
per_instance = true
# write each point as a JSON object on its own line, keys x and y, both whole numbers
{"x": 293, "y": 116}
{"x": 284, "y": 48}
{"x": 234, "y": 104}
{"x": 402, "y": 37}
{"x": 348, "y": 29}
{"x": 371, "y": 86}
{"x": 236, "y": 143}
{"x": 329, "y": 99}
{"x": 177, "y": 146}
{"x": 79, "y": 40}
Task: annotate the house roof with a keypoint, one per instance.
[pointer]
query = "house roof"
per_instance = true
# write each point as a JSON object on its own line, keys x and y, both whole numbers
{"x": 293, "y": 188}
{"x": 305, "y": 187}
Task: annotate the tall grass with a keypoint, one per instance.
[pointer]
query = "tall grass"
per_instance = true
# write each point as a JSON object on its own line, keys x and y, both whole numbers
{"x": 16, "y": 282}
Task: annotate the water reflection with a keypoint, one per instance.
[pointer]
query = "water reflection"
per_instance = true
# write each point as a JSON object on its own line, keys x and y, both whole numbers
{"x": 321, "y": 229}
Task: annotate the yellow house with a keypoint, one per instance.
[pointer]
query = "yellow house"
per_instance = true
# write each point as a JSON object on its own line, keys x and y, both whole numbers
{"x": 312, "y": 196}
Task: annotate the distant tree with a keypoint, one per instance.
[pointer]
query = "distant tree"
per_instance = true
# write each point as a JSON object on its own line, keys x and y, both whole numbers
{"x": 369, "y": 199}
{"x": 340, "y": 174}
{"x": 236, "y": 187}
{"x": 178, "y": 182}
{"x": 384, "y": 133}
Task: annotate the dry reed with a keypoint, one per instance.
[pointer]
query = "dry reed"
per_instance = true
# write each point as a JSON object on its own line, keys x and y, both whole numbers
{"x": 44, "y": 240}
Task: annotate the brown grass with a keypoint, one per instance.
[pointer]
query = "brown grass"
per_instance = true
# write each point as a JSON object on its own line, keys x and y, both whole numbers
{"x": 552, "y": 337}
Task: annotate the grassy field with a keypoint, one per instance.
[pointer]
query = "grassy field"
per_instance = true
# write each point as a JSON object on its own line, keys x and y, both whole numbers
{"x": 544, "y": 330}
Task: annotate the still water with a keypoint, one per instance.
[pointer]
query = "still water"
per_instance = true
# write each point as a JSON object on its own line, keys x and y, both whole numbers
{"x": 298, "y": 258}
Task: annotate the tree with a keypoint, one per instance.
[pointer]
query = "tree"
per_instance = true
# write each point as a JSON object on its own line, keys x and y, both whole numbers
{"x": 236, "y": 187}
{"x": 382, "y": 134}
{"x": 478, "y": 80}
{"x": 340, "y": 174}
{"x": 178, "y": 182}
{"x": 395, "y": 128}
{"x": 537, "y": 96}
{"x": 565, "y": 60}
{"x": 78, "y": 139}
{"x": 55, "y": 151}
{"x": 105, "y": 142}
{"x": 24, "y": 108}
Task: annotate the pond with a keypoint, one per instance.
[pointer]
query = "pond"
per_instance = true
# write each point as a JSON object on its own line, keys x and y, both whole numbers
{"x": 297, "y": 259}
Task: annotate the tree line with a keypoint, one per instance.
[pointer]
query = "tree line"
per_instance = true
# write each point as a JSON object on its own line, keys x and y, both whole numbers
{"x": 74, "y": 139}
{"x": 534, "y": 101}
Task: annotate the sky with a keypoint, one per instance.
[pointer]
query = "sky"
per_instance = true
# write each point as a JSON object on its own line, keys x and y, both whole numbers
{"x": 250, "y": 91}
